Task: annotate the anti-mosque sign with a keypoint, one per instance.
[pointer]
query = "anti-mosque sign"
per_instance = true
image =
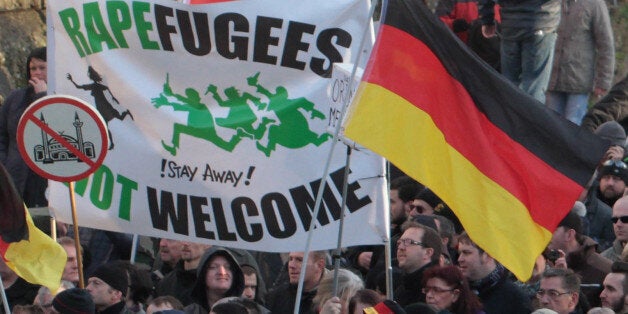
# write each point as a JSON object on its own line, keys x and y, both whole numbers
{"x": 217, "y": 117}
{"x": 62, "y": 138}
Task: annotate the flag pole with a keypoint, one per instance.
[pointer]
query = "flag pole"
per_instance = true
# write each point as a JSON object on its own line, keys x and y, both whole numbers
{"x": 319, "y": 194}
{"x": 77, "y": 242}
{"x": 5, "y": 302}
{"x": 345, "y": 184}
{"x": 134, "y": 248}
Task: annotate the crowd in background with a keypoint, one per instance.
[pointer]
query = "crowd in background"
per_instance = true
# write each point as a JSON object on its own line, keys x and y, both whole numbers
{"x": 561, "y": 52}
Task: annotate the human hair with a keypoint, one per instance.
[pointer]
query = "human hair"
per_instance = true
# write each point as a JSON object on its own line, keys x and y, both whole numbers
{"x": 406, "y": 187}
{"x": 465, "y": 239}
{"x": 250, "y": 305}
{"x": 348, "y": 284}
{"x": 248, "y": 270}
{"x": 365, "y": 296}
{"x": 600, "y": 310}
{"x": 570, "y": 281}
{"x": 27, "y": 309}
{"x": 67, "y": 241}
{"x": 447, "y": 229}
{"x": 468, "y": 302}
{"x": 140, "y": 283}
{"x": 166, "y": 299}
{"x": 229, "y": 308}
{"x": 318, "y": 255}
{"x": 431, "y": 239}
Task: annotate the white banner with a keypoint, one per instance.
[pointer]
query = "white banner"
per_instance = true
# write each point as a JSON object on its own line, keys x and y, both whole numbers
{"x": 217, "y": 117}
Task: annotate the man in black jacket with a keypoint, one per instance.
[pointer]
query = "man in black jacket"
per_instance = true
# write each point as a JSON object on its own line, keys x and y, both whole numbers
{"x": 490, "y": 281}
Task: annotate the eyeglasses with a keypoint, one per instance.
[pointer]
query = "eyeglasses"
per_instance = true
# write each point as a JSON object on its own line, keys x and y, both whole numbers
{"x": 418, "y": 208}
{"x": 623, "y": 219}
{"x": 437, "y": 290}
{"x": 552, "y": 294}
{"x": 408, "y": 242}
{"x": 616, "y": 163}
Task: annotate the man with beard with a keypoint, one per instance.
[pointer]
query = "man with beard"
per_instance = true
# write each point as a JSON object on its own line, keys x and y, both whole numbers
{"x": 615, "y": 287}
{"x": 180, "y": 281}
{"x": 613, "y": 177}
{"x": 169, "y": 256}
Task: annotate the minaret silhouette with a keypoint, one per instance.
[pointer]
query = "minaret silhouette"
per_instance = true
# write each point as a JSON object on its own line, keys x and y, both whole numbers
{"x": 45, "y": 144}
{"x": 79, "y": 134}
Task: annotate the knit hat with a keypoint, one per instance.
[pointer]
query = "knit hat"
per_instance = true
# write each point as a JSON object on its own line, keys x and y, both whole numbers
{"x": 612, "y": 131}
{"x": 74, "y": 301}
{"x": 572, "y": 221}
{"x": 616, "y": 168}
{"x": 114, "y": 276}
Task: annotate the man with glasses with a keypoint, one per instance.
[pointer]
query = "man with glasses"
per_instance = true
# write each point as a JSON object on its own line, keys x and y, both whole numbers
{"x": 619, "y": 219}
{"x": 490, "y": 280}
{"x": 418, "y": 248}
{"x": 559, "y": 290}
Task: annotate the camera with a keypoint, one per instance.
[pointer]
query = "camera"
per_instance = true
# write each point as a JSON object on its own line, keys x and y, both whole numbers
{"x": 552, "y": 255}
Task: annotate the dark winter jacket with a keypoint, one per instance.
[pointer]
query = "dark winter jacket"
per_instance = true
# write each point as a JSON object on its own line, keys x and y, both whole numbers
{"x": 522, "y": 18}
{"x": 199, "y": 294}
{"x": 612, "y": 107}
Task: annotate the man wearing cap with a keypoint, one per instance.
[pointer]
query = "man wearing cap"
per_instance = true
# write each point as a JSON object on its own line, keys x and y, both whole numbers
{"x": 108, "y": 286}
{"x": 619, "y": 220}
{"x": 613, "y": 177}
{"x": 615, "y": 287}
{"x": 74, "y": 301}
{"x": 578, "y": 252}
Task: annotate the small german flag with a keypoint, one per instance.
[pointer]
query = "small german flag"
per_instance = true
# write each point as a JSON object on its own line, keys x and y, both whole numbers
{"x": 506, "y": 165}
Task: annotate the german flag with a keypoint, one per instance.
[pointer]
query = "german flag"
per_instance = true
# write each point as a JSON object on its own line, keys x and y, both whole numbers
{"x": 507, "y": 166}
{"x": 30, "y": 253}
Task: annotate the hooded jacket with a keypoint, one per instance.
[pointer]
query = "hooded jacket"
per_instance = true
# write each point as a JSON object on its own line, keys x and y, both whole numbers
{"x": 245, "y": 258}
{"x": 199, "y": 295}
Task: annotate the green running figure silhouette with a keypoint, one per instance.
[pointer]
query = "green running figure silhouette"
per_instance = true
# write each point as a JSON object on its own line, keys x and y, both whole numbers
{"x": 293, "y": 130}
{"x": 240, "y": 115}
{"x": 200, "y": 122}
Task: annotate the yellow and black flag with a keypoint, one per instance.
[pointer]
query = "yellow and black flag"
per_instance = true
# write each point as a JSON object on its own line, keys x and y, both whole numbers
{"x": 507, "y": 166}
{"x": 30, "y": 253}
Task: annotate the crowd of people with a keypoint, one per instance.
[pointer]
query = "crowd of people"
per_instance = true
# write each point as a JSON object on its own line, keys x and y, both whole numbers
{"x": 559, "y": 51}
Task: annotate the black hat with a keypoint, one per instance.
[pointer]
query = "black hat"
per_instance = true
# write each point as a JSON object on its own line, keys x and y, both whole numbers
{"x": 572, "y": 221}
{"x": 74, "y": 301}
{"x": 616, "y": 168}
{"x": 619, "y": 267}
{"x": 429, "y": 197}
{"x": 612, "y": 131}
{"x": 114, "y": 276}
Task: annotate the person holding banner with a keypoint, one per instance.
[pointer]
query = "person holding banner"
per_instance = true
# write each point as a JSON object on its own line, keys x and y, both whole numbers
{"x": 30, "y": 185}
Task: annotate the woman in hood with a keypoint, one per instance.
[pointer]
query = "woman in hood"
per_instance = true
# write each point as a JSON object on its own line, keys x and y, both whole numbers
{"x": 219, "y": 276}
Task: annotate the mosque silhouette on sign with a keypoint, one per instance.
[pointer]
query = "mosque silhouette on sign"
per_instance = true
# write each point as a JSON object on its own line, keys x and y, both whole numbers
{"x": 51, "y": 150}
